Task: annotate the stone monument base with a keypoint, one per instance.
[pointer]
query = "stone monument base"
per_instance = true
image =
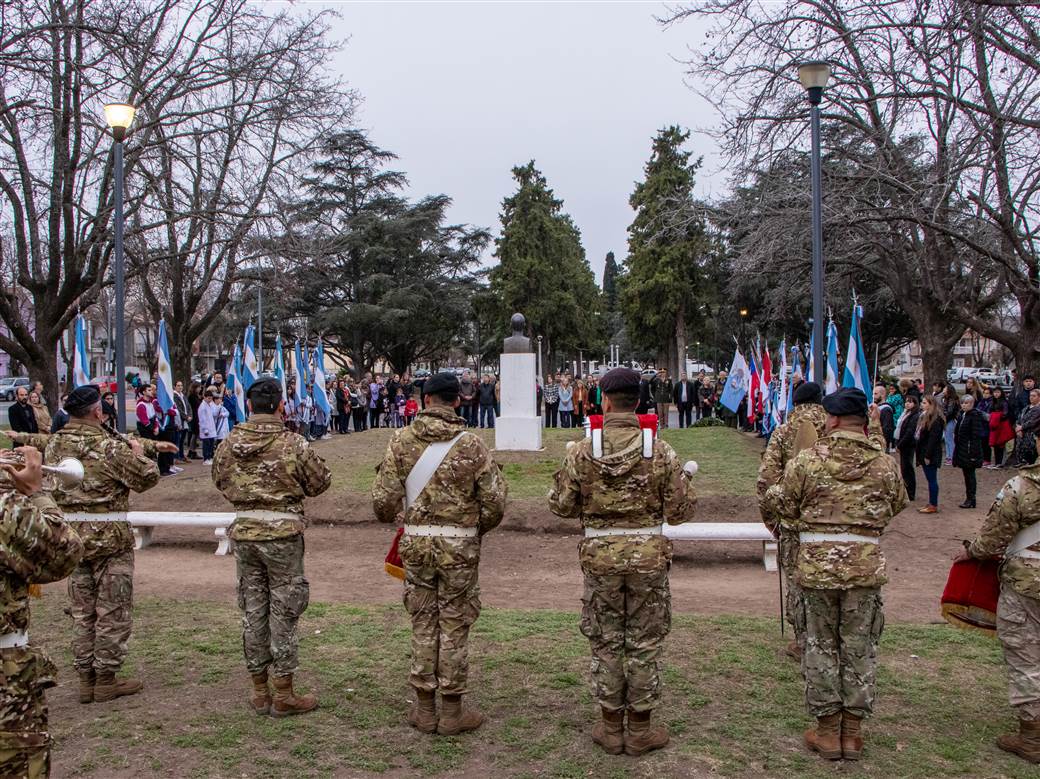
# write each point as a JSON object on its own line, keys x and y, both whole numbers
{"x": 518, "y": 433}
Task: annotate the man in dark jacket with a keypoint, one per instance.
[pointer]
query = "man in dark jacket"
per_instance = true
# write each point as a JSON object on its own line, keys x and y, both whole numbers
{"x": 1020, "y": 400}
{"x": 23, "y": 418}
{"x": 686, "y": 396}
{"x": 486, "y": 395}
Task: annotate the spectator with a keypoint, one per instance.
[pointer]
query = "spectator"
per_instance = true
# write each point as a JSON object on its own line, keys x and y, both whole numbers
{"x": 985, "y": 406}
{"x": 906, "y": 442}
{"x": 646, "y": 395}
{"x": 581, "y": 403}
{"x": 566, "y": 393}
{"x": 595, "y": 404}
{"x": 929, "y": 435}
{"x": 305, "y": 413}
{"x": 951, "y": 406}
{"x": 1027, "y": 429}
{"x": 411, "y": 409}
{"x": 551, "y": 399}
{"x": 971, "y": 387}
{"x": 896, "y": 397}
{"x": 969, "y": 434}
{"x": 184, "y": 417}
{"x": 386, "y": 405}
{"x": 486, "y": 396}
{"x": 20, "y": 415}
{"x": 342, "y": 406}
{"x": 213, "y": 423}
{"x": 290, "y": 410}
{"x": 707, "y": 397}
{"x": 467, "y": 398}
{"x": 887, "y": 416}
{"x": 686, "y": 396}
{"x": 108, "y": 409}
{"x": 357, "y": 406}
{"x": 43, "y": 416}
{"x": 194, "y": 401}
{"x": 1001, "y": 431}
{"x": 662, "y": 388}
{"x": 61, "y": 416}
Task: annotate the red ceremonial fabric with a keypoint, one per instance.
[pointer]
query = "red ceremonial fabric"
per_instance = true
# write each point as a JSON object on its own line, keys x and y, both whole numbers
{"x": 648, "y": 422}
{"x": 393, "y": 564}
{"x": 973, "y": 583}
{"x": 595, "y": 421}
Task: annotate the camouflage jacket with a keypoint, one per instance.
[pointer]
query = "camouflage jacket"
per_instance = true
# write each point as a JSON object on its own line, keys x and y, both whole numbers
{"x": 845, "y": 483}
{"x": 111, "y": 471}
{"x": 264, "y": 467}
{"x": 40, "y": 441}
{"x": 622, "y": 489}
{"x": 467, "y": 490}
{"x": 1016, "y": 507}
{"x": 780, "y": 450}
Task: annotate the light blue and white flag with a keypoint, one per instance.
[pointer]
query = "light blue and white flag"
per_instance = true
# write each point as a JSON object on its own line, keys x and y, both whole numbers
{"x": 301, "y": 373}
{"x": 831, "y": 384}
{"x": 279, "y": 364}
{"x": 783, "y": 400}
{"x": 164, "y": 375}
{"x": 321, "y": 397}
{"x": 249, "y": 367}
{"x": 736, "y": 383}
{"x": 80, "y": 363}
{"x": 810, "y": 358}
{"x": 857, "y": 374}
{"x": 238, "y": 390}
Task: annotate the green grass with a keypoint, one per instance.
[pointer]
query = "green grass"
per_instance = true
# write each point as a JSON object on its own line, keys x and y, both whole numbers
{"x": 733, "y": 704}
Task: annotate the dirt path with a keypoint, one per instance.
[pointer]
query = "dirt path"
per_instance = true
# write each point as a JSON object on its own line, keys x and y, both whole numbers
{"x": 531, "y": 563}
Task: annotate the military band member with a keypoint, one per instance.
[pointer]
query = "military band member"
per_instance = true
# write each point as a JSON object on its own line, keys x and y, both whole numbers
{"x": 265, "y": 471}
{"x": 622, "y": 499}
{"x": 101, "y": 587}
{"x": 455, "y": 495}
{"x": 1012, "y": 529}
{"x": 36, "y": 546}
{"x": 803, "y": 428}
{"x": 839, "y": 495}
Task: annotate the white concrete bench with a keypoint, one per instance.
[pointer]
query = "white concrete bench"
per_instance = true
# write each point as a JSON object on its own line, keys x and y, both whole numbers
{"x": 144, "y": 522}
{"x": 727, "y": 531}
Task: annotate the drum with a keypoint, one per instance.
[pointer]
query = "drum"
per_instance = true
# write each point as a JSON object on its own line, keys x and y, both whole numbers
{"x": 970, "y": 598}
{"x": 393, "y": 564}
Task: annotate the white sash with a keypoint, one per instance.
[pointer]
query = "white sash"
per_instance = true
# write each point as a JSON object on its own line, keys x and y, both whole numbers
{"x": 427, "y": 464}
{"x": 1024, "y": 539}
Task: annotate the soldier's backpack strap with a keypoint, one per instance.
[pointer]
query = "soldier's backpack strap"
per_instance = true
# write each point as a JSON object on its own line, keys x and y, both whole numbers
{"x": 804, "y": 438}
{"x": 427, "y": 464}
{"x": 1023, "y": 540}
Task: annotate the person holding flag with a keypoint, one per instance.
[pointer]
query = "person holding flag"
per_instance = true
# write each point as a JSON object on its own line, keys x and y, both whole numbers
{"x": 249, "y": 369}
{"x": 237, "y": 396}
{"x": 279, "y": 365}
{"x": 831, "y": 382}
{"x": 166, "y": 418}
{"x": 736, "y": 387}
{"x": 321, "y": 395}
{"x": 857, "y": 373}
{"x": 80, "y": 361}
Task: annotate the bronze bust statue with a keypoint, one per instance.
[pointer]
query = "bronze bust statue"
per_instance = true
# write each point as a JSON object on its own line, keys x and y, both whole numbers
{"x": 517, "y": 343}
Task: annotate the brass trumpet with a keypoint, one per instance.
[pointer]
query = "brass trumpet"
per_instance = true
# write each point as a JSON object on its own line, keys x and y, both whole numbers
{"x": 69, "y": 471}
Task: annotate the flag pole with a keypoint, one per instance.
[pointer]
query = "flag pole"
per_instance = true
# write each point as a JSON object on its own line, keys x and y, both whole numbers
{"x": 876, "y": 347}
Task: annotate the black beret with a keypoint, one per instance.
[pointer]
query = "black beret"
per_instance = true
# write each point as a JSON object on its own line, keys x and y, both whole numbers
{"x": 807, "y": 392}
{"x": 846, "y": 402}
{"x": 82, "y": 398}
{"x": 265, "y": 389}
{"x": 619, "y": 380}
{"x": 440, "y": 383}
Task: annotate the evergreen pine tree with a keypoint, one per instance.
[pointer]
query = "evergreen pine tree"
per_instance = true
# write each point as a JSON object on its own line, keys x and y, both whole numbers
{"x": 610, "y": 283}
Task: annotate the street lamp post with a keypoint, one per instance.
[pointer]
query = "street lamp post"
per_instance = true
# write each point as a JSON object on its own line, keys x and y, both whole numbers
{"x": 539, "y": 360}
{"x": 119, "y": 117}
{"x": 813, "y": 76}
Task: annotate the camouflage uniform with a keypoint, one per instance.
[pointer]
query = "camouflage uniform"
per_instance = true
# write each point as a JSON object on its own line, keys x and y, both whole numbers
{"x": 35, "y": 546}
{"x": 101, "y": 587}
{"x": 261, "y": 466}
{"x": 779, "y": 452}
{"x": 1018, "y": 611}
{"x": 626, "y": 606}
{"x": 441, "y": 592}
{"x": 845, "y": 483}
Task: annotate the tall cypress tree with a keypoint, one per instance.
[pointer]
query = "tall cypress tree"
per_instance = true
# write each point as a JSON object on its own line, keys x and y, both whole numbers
{"x": 610, "y": 283}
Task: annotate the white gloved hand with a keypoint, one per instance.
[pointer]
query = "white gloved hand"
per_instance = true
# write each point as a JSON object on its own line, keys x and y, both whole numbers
{"x": 691, "y": 467}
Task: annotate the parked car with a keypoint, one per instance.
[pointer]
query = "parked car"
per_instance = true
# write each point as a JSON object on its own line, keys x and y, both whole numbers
{"x": 10, "y": 385}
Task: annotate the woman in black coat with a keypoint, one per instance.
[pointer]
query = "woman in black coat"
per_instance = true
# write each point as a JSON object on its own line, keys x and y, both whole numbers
{"x": 970, "y": 437}
{"x": 930, "y": 428}
{"x": 906, "y": 442}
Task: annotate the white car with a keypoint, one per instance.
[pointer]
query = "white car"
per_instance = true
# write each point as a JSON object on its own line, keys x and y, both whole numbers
{"x": 10, "y": 385}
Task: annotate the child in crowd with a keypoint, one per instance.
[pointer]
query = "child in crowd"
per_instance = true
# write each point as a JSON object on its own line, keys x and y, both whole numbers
{"x": 411, "y": 408}
{"x": 385, "y": 407}
{"x": 399, "y": 404}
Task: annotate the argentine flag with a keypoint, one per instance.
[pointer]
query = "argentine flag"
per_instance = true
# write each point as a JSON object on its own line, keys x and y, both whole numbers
{"x": 301, "y": 373}
{"x": 238, "y": 390}
{"x": 810, "y": 358}
{"x": 80, "y": 364}
{"x": 279, "y": 364}
{"x": 832, "y": 359}
{"x": 249, "y": 367}
{"x": 857, "y": 374}
{"x": 321, "y": 397}
{"x": 164, "y": 379}
{"x": 736, "y": 383}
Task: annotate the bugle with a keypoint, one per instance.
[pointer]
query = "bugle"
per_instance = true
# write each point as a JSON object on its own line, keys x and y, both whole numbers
{"x": 68, "y": 471}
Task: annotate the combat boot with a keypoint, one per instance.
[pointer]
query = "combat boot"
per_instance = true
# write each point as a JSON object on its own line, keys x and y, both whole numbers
{"x": 609, "y": 732}
{"x": 826, "y": 737}
{"x": 455, "y": 719}
{"x": 851, "y": 736}
{"x": 286, "y": 703}
{"x": 423, "y": 714}
{"x": 87, "y": 680}
{"x": 1025, "y": 743}
{"x": 107, "y": 687}
{"x": 642, "y": 736}
{"x": 261, "y": 700}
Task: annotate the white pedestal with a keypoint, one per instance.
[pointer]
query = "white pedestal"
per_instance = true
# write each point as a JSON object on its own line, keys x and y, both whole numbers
{"x": 520, "y": 426}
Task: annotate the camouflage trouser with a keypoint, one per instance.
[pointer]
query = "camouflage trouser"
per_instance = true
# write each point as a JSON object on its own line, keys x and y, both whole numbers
{"x": 443, "y": 603}
{"x": 626, "y": 618}
{"x": 793, "y": 601}
{"x": 272, "y": 594}
{"x": 101, "y": 594}
{"x": 842, "y": 628}
{"x": 25, "y": 744}
{"x": 1018, "y": 628}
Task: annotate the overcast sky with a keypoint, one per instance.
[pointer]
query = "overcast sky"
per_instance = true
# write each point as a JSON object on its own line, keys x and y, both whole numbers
{"x": 463, "y": 91}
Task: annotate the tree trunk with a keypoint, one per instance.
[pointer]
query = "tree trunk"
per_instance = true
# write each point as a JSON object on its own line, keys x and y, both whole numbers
{"x": 45, "y": 370}
{"x": 936, "y": 353}
{"x": 680, "y": 343}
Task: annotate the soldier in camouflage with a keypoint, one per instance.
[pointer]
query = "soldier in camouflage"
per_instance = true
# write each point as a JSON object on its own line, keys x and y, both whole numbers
{"x": 265, "y": 471}
{"x": 1012, "y": 529}
{"x": 450, "y": 492}
{"x": 101, "y": 587}
{"x": 36, "y": 546}
{"x": 622, "y": 498}
{"x": 839, "y": 495}
{"x": 801, "y": 430}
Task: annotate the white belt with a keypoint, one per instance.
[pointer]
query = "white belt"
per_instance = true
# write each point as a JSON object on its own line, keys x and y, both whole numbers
{"x": 104, "y": 516}
{"x": 14, "y": 640}
{"x": 441, "y": 531}
{"x": 840, "y": 538}
{"x": 267, "y": 516}
{"x": 1030, "y": 553}
{"x": 600, "y": 532}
